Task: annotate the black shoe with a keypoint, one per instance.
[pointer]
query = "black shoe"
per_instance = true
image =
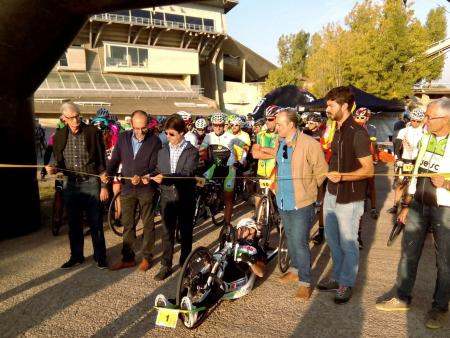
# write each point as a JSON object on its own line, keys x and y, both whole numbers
{"x": 102, "y": 264}
{"x": 343, "y": 295}
{"x": 392, "y": 210}
{"x": 163, "y": 273}
{"x": 72, "y": 262}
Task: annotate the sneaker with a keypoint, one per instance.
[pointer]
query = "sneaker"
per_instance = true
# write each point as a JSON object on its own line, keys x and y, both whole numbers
{"x": 343, "y": 295}
{"x": 102, "y": 264}
{"x": 303, "y": 293}
{"x": 161, "y": 301}
{"x": 289, "y": 277}
{"x": 145, "y": 265}
{"x": 392, "y": 210}
{"x": 318, "y": 239}
{"x": 435, "y": 319}
{"x": 328, "y": 285}
{"x": 163, "y": 273}
{"x": 72, "y": 262}
{"x": 393, "y": 304}
{"x": 189, "y": 318}
{"x": 374, "y": 213}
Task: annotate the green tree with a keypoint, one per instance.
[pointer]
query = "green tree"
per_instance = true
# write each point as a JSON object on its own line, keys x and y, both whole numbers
{"x": 293, "y": 51}
{"x": 436, "y": 26}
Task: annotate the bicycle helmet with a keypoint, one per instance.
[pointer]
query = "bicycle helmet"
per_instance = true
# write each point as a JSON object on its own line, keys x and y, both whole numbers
{"x": 314, "y": 117}
{"x": 304, "y": 116}
{"x": 185, "y": 116}
{"x": 247, "y": 227}
{"x": 272, "y": 110}
{"x": 103, "y": 112}
{"x": 236, "y": 120}
{"x": 200, "y": 124}
{"x": 259, "y": 123}
{"x": 218, "y": 118}
{"x": 113, "y": 118}
{"x": 363, "y": 112}
{"x": 418, "y": 114}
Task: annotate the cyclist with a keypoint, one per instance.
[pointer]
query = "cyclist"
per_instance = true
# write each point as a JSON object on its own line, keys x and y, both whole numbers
{"x": 265, "y": 139}
{"x": 189, "y": 135}
{"x": 407, "y": 154}
{"x": 221, "y": 145}
{"x": 362, "y": 116}
{"x": 201, "y": 126}
{"x": 235, "y": 129}
{"x": 314, "y": 126}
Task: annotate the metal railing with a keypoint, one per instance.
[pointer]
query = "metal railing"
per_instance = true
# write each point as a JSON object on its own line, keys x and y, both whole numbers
{"x": 154, "y": 22}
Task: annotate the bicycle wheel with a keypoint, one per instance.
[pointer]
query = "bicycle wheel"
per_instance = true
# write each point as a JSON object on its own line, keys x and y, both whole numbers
{"x": 284, "y": 261}
{"x": 263, "y": 219}
{"x": 396, "y": 230}
{"x": 193, "y": 279}
{"x": 114, "y": 216}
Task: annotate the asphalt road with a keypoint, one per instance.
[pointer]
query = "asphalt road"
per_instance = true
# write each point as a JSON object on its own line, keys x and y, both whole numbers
{"x": 37, "y": 299}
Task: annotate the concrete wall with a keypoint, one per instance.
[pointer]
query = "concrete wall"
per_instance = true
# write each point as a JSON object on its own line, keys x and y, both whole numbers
{"x": 240, "y": 97}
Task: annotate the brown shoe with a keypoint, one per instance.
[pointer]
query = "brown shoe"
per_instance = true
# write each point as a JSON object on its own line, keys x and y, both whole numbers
{"x": 289, "y": 277}
{"x": 303, "y": 293}
{"x": 122, "y": 265}
{"x": 145, "y": 265}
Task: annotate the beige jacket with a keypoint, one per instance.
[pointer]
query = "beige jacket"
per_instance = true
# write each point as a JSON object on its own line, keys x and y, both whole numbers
{"x": 308, "y": 160}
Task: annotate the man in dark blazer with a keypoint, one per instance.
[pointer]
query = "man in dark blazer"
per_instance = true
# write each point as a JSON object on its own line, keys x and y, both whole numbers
{"x": 137, "y": 151}
{"x": 177, "y": 162}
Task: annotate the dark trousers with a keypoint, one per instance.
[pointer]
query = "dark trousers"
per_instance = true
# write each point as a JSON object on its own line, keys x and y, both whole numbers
{"x": 84, "y": 196}
{"x": 129, "y": 201}
{"x": 419, "y": 218}
{"x": 173, "y": 212}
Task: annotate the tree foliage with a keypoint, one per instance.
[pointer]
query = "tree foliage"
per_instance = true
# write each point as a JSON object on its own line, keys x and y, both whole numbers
{"x": 436, "y": 26}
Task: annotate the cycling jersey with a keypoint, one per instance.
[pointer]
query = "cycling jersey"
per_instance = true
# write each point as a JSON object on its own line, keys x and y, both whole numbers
{"x": 240, "y": 152}
{"x": 410, "y": 137}
{"x": 267, "y": 140}
{"x": 191, "y": 137}
{"x": 220, "y": 145}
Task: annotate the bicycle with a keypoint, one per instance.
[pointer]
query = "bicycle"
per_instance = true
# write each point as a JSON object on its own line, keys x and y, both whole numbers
{"x": 400, "y": 168}
{"x": 115, "y": 215}
{"x": 268, "y": 218}
{"x": 57, "y": 206}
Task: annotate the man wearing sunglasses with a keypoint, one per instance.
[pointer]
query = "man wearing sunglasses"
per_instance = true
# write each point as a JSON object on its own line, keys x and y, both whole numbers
{"x": 137, "y": 151}
{"x": 427, "y": 205}
{"x": 79, "y": 148}
{"x": 350, "y": 165}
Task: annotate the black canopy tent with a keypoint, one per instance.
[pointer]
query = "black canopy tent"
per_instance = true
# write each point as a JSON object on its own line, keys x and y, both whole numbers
{"x": 286, "y": 96}
{"x": 363, "y": 99}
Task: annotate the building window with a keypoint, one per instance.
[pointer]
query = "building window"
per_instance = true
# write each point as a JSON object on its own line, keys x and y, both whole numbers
{"x": 209, "y": 24}
{"x": 125, "y": 56}
{"x": 139, "y": 13}
{"x": 63, "y": 60}
{"x": 175, "y": 20}
{"x": 123, "y": 12}
{"x": 158, "y": 18}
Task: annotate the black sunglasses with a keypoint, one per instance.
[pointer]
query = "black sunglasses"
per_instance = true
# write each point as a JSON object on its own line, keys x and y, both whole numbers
{"x": 285, "y": 153}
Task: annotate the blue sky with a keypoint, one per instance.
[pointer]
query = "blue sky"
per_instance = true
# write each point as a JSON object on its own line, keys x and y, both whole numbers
{"x": 259, "y": 23}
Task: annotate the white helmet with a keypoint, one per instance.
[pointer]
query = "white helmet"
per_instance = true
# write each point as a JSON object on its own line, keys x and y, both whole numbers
{"x": 248, "y": 223}
{"x": 218, "y": 118}
{"x": 418, "y": 114}
{"x": 200, "y": 123}
{"x": 236, "y": 120}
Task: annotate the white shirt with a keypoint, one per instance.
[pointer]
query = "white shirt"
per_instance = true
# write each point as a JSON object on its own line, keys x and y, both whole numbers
{"x": 191, "y": 137}
{"x": 411, "y": 137}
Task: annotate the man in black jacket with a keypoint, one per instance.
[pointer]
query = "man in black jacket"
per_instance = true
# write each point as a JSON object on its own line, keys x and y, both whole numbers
{"x": 137, "y": 151}
{"x": 350, "y": 166}
{"x": 177, "y": 161}
{"x": 78, "y": 148}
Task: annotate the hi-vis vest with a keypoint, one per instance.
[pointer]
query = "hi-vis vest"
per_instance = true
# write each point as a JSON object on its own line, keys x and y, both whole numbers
{"x": 442, "y": 194}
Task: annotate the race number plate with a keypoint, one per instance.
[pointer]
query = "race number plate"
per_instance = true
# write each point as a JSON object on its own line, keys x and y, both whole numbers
{"x": 408, "y": 167}
{"x": 167, "y": 317}
{"x": 264, "y": 184}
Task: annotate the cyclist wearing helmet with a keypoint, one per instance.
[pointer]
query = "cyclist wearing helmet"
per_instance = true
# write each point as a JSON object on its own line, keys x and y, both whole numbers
{"x": 407, "y": 154}
{"x": 189, "y": 136}
{"x": 265, "y": 139}
{"x": 314, "y": 126}
{"x": 235, "y": 129}
{"x": 200, "y": 130}
{"x": 221, "y": 145}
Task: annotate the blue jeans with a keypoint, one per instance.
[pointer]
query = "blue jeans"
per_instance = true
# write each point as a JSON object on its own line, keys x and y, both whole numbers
{"x": 297, "y": 224}
{"x": 419, "y": 218}
{"x": 84, "y": 196}
{"x": 341, "y": 233}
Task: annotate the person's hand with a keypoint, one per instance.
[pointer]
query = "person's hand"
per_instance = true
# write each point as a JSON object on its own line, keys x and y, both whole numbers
{"x": 104, "y": 194}
{"x": 104, "y": 178}
{"x": 146, "y": 179}
{"x": 438, "y": 181}
{"x": 51, "y": 170}
{"x": 256, "y": 147}
{"x": 158, "y": 178}
{"x": 135, "y": 180}
{"x": 334, "y": 176}
{"x": 403, "y": 215}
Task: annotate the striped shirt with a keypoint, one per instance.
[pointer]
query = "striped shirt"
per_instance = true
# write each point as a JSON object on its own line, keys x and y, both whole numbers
{"x": 175, "y": 153}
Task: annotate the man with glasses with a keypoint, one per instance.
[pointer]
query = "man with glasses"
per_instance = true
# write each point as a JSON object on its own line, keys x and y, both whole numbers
{"x": 137, "y": 151}
{"x": 350, "y": 165}
{"x": 78, "y": 149}
{"x": 221, "y": 145}
{"x": 236, "y": 124}
{"x": 428, "y": 204}
{"x": 410, "y": 137}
